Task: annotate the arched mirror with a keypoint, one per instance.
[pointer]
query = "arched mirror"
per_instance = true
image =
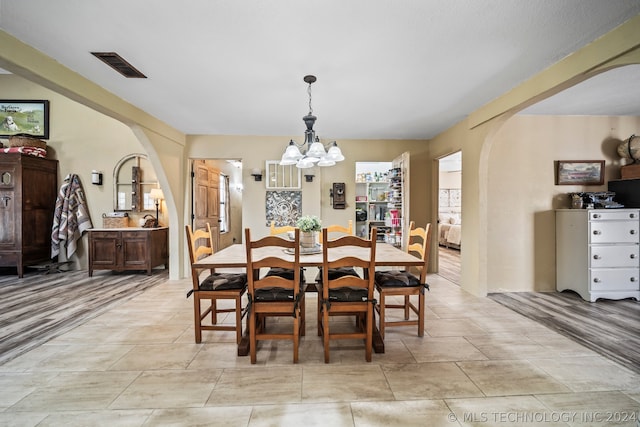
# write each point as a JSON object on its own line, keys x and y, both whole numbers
{"x": 133, "y": 180}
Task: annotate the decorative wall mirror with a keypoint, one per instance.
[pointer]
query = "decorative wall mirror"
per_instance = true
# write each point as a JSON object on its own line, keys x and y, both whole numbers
{"x": 133, "y": 179}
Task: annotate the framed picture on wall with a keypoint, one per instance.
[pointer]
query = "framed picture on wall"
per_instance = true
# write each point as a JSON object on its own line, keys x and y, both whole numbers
{"x": 24, "y": 117}
{"x": 579, "y": 172}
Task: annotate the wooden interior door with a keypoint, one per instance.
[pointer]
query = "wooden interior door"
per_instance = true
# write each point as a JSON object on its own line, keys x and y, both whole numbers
{"x": 206, "y": 199}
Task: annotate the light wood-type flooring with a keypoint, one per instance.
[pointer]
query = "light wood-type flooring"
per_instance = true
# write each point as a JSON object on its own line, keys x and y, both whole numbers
{"x": 40, "y": 307}
{"x": 608, "y": 327}
{"x": 449, "y": 264}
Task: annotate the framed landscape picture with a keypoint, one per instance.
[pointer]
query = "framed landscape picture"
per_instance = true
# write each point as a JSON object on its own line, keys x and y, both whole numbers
{"x": 24, "y": 117}
{"x": 579, "y": 172}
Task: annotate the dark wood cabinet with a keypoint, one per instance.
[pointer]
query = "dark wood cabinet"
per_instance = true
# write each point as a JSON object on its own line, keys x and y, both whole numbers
{"x": 28, "y": 191}
{"x": 123, "y": 249}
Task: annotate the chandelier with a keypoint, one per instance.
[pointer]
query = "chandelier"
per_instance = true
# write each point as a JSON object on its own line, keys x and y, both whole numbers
{"x": 311, "y": 151}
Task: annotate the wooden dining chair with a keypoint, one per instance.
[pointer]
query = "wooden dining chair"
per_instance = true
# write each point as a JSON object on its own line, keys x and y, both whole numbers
{"x": 406, "y": 284}
{"x": 334, "y": 273}
{"x": 213, "y": 287}
{"x": 274, "y": 231}
{"x": 277, "y": 231}
{"x": 274, "y": 295}
{"x": 337, "y": 228}
{"x": 347, "y": 295}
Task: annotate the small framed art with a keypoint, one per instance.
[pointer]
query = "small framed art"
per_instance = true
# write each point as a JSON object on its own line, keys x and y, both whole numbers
{"x": 579, "y": 172}
{"x": 24, "y": 117}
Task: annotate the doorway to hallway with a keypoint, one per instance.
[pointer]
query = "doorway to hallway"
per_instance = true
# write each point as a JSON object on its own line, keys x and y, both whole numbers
{"x": 216, "y": 186}
{"x": 449, "y": 231}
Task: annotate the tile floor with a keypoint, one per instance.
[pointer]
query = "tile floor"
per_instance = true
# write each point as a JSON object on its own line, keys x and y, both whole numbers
{"x": 478, "y": 364}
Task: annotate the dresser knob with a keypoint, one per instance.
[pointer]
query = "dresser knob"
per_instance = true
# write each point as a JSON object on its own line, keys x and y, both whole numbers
{"x": 632, "y": 231}
{"x": 596, "y": 216}
{"x": 596, "y": 257}
{"x": 632, "y": 256}
{"x": 632, "y": 215}
{"x": 633, "y": 279}
{"x": 597, "y": 232}
{"x": 596, "y": 280}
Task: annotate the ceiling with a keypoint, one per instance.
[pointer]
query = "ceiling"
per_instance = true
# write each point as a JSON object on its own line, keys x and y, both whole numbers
{"x": 386, "y": 69}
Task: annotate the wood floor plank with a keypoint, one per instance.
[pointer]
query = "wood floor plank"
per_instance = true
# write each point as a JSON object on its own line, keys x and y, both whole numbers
{"x": 608, "y": 327}
{"x": 449, "y": 264}
{"x": 39, "y": 307}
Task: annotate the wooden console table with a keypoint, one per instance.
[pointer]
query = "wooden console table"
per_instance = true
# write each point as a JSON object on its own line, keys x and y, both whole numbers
{"x": 128, "y": 248}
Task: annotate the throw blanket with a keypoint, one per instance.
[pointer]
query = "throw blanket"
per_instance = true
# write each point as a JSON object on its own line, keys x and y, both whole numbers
{"x": 33, "y": 151}
{"x": 71, "y": 217}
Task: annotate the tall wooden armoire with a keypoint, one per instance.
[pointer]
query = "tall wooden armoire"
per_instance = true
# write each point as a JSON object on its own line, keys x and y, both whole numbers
{"x": 28, "y": 192}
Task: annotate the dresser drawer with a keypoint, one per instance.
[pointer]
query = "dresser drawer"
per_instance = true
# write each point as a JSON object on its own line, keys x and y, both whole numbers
{"x": 614, "y": 256}
{"x": 614, "y": 279}
{"x": 605, "y": 215}
{"x": 8, "y": 259}
{"x": 613, "y": 232}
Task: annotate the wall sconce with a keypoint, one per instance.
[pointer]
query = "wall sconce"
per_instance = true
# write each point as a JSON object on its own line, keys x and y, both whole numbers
{"x": 96, "y": 178}
{"x": 256, "y": 174}
{"x": 309, "y": 178}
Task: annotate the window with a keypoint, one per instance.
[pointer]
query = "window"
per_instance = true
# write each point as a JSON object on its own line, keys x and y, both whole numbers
{"x": 224, "y": 203}
{"x": 282, "y": 177}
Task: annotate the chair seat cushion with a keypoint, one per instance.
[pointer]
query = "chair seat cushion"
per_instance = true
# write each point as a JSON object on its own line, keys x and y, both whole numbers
{"x": 396, "y": 279}
{"x": 274, "y": 294}
{"x": 285, "y": 273}
{"x": 335, "y": 273}
{"x": 345, "y": 294}
{"x": 224, "y": 282}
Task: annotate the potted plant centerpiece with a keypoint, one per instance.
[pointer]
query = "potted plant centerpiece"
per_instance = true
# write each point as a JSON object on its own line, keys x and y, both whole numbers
{"x": 309, "y": 226}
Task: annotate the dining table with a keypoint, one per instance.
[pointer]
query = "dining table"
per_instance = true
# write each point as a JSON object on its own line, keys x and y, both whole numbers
{"x": 235, "y": 256}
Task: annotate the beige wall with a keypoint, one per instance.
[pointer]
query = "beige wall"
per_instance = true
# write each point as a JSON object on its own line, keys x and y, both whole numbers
{"x": 163, "y": 144}
{"x": 477, "y": 134}
{"x": 81, "y": 140}
{"x": 255, "y": 150}
{"x": 169, "y": 151}
{"x": 522, "y": 193}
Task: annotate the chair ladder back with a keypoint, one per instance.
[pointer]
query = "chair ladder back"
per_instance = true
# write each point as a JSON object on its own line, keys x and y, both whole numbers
{"x": 345, "y": 259}
{"x": 198, "y": 248}
{"x": 345, "y": 296}
{"x": 254, "y": 264}
{"x": 420, "y": 244}
{"x": 336, "y": 228}
{"x": 273, "y": 230}
{"x": 284, "y": 296}
{"x": 195, "y": 272}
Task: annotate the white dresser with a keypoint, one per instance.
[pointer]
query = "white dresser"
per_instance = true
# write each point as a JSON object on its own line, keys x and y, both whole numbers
{"x": 598, "y": 252}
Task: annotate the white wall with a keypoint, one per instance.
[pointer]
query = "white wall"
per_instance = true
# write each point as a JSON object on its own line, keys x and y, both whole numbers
{"x": 451, "y": 179}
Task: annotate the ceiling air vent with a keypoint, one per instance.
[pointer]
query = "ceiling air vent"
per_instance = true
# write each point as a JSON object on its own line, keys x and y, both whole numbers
{"x": 119, "y": 64}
